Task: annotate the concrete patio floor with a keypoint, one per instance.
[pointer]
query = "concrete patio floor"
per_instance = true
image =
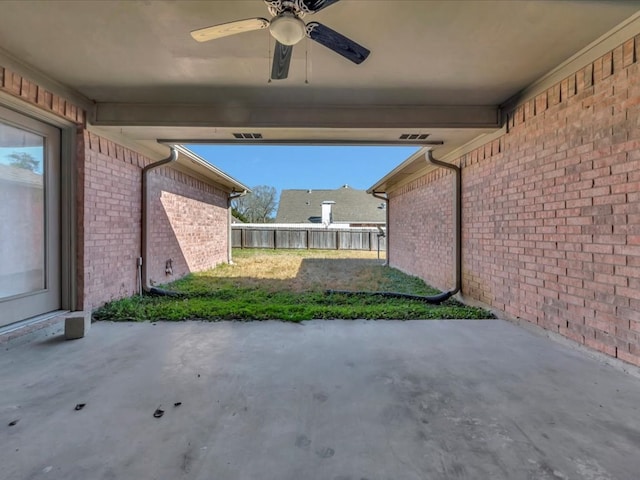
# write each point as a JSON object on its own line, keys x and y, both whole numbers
{"x": 337, "y": 400}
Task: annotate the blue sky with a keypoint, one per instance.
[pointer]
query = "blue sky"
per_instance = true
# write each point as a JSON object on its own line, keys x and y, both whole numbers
{"x": 304, "y": 167}
{"x": 35, "y": 152}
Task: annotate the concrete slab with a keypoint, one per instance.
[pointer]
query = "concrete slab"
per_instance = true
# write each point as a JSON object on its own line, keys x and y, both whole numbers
{"x": 324, "y": 400}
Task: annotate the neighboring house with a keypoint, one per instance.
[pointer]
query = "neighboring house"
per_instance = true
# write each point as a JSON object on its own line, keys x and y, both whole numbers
{"x": 343, "y": 206}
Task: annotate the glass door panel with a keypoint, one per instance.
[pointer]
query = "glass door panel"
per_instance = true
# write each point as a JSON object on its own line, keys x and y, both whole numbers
{"x": 29, "y": 217}
{"x": 22, "y": 212}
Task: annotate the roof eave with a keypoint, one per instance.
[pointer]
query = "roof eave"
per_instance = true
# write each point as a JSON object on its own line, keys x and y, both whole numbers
{"x": 188, "y": 159}
{"x": 395, "y": 176}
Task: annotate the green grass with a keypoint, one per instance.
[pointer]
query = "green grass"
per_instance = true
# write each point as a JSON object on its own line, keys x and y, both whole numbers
{"x": 229, "y": 293}
{"x": 260, "y": 305}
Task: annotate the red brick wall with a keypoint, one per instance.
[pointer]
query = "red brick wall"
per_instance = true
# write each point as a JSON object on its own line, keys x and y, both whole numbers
{"x": 111, "y": 220}
{"x": 23, "y": 88}
{"x": 551, "y": 211}
{"x": 430, "y": 256}
{"x": 189, "y": 225}
{"x": 189, "y": 216}
{"x": 188, "y": 222}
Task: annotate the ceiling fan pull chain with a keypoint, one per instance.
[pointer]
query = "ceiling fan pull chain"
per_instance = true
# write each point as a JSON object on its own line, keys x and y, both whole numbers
{"x": 306, "y": 61}
{"x": 269, "y": 58}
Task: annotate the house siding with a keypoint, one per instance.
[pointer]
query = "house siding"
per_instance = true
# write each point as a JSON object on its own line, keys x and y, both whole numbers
{"x": 551, "y": 211}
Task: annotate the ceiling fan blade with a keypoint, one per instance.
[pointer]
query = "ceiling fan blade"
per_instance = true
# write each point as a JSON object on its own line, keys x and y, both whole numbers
{"x": 316, "y": 5}
{"x": 231, "y": 28}
{"x": 281, "y": 61}
{"x": 337, "y": 42}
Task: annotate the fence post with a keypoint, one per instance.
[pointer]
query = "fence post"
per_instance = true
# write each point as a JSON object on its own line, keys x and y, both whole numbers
{"x": 308, "y": 238}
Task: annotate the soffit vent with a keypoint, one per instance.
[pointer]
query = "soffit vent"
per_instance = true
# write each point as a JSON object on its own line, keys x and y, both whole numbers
{"x": 413, "y": 136}
{"x": 247, "y": 136}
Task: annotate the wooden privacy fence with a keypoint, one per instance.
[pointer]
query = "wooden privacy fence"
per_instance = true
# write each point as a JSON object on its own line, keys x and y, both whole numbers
{"x": 273, "y": 235}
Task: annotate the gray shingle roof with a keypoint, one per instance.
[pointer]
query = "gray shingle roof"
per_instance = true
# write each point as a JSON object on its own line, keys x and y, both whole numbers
{"x": 352, "y": 206}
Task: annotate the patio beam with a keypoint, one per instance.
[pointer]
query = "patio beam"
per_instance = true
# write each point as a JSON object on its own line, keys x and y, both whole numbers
{"x": 340, "y": 116}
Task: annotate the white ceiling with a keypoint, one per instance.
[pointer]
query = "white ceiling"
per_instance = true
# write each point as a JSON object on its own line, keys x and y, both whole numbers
{"x": 424, "y": 53}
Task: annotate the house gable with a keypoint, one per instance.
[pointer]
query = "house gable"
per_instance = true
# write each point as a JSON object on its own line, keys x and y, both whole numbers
{"x": 351, "y": 206}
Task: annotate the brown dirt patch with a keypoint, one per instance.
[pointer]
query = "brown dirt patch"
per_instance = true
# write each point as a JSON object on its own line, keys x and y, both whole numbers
{"x": 302, "y": 270}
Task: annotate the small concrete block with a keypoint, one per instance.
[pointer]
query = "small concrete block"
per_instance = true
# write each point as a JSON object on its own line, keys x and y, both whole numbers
{"x": 77, "y": 325}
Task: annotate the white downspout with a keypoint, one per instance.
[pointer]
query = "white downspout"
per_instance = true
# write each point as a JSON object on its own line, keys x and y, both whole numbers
{"x": 385, "y": 197}
{"x": 143, "y": 261}
{"x": 457, "y": 219}
{"x": 232, "y": 196}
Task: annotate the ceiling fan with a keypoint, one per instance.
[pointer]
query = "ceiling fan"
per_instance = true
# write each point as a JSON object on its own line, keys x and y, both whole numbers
{"x": 288, "y": 28}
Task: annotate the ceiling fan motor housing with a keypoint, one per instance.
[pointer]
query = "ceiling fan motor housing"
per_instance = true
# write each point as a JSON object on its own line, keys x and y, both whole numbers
{"x": 287, "y": 28}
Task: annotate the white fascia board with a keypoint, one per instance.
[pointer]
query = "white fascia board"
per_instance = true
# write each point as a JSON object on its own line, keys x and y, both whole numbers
{"x": 213, "y": 172}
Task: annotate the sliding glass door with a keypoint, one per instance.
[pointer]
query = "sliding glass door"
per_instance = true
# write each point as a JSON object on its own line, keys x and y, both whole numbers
{"x": 29, "y": 217}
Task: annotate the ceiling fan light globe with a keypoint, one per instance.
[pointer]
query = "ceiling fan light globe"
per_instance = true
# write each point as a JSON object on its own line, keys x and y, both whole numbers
{"x": 287, "y": 29}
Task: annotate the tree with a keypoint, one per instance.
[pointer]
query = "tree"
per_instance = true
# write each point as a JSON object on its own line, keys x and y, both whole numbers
{"x": 23, "y": 160}
{"x": 239, "y": 207}
{"x": 257, "y": 206}
{"x": 239, "y": 215}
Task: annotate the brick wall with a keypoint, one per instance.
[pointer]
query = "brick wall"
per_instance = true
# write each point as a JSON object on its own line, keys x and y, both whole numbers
{"x": 188, "y": 222}
{"x": 430, "y": 201}
{"x": 111, "y": 220}
{"x": 189, "y": 225}
{"x": 189, "y": 216}
{"x": 23, "y": 88}
{"x": 551, "y": 211}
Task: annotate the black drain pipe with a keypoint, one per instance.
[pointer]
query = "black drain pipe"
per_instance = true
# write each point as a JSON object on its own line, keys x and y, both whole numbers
{"x": 457, "y": 199}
